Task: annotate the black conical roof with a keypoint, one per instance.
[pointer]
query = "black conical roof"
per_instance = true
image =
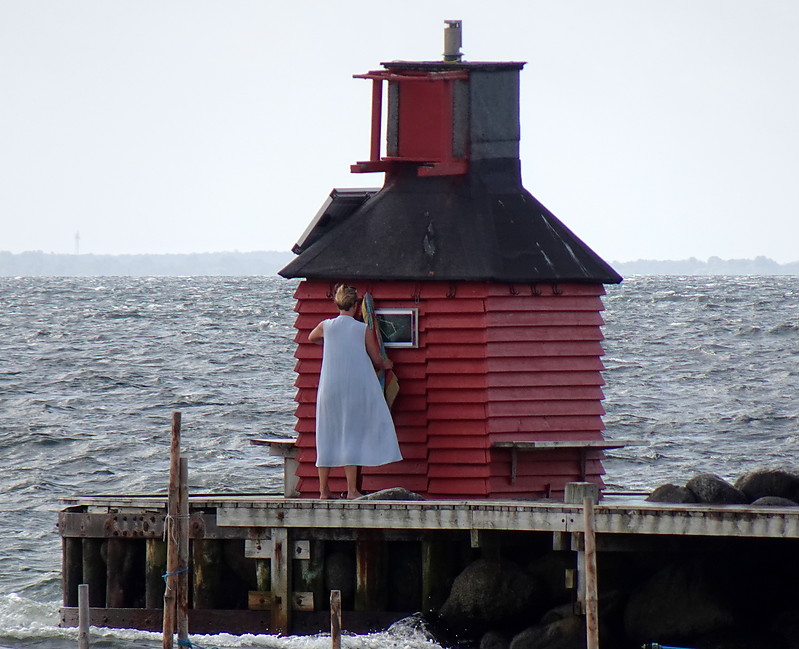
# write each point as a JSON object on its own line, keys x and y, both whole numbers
{"x": 479, "y": 226}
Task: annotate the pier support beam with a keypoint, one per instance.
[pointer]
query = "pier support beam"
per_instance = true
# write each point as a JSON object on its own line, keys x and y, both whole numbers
{"x": 154, "y": 568}
{"x": 94, "y": 572}
{"x": 281, "y": 580}
{"x": 72, "y": 562}
{"x": 206, "y": 560}
{"x": 371, "y": 560}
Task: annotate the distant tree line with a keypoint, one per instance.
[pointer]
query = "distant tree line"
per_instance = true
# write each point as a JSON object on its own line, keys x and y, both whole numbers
{"x": 713, "y": 266}
{"x": 31, "y": 264}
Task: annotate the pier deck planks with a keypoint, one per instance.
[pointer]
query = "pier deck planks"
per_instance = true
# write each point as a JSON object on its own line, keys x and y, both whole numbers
{"x": 614, "y": 515}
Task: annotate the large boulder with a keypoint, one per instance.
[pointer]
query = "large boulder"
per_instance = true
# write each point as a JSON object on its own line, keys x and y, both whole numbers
{"x": 549, "y": 573}
{"x": 774, "y": 501}
{"x": 769, "y": 482}
{"x": 713, "y": 490}
{"x": 567, "y": 633}
{"x": 491, "y": 595}
{"x": 494, "y": 640}
{"x": 678, "y": 603}
{"x": 671, "y": 493}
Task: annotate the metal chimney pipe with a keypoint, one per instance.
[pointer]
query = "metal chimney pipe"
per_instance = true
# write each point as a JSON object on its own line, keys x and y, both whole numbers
{"x": 453, "y": 40}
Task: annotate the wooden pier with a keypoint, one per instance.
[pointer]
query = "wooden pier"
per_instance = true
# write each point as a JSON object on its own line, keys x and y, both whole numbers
{"x": 267, "y": 564}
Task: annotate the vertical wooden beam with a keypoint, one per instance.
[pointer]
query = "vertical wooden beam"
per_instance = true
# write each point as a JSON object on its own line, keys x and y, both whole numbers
{"x": 183, "y": 552}
{"x": 310, "y": 573}
{"x": 335, "y": 619}
{"x": 83, "y": 616}
{"x": 281, "y": 580}
{"x": 439, "y": 566}
{"x": 71, "y": 569}
{"x": 591, "y": 590}
{"x": 371, "y": 588}
{"x": 263, "y": 574}
{"x": 94, "y": 572}
{"x": 154, "y": 569}
{"x": 119, "y": 559}
{"x": 377, "y": 118}
{"x": 170, "y": 593}
{"x": 206, "y": 561}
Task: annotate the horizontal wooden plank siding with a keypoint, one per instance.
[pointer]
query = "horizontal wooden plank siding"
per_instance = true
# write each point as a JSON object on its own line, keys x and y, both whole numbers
{"x": 314, "y": 303}
{"x": 495, "y": 362}
{"x": 544, "y": 382}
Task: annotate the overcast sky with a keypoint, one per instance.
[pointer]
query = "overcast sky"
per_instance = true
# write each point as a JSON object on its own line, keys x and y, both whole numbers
{"x": 653, "y": 129}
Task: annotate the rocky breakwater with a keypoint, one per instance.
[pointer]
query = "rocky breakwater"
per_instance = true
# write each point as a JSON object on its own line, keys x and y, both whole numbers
{"x": 699, "y": 592}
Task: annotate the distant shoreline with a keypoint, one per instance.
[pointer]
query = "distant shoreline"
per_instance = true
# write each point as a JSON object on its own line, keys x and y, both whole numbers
{"x": 268, "y": 263}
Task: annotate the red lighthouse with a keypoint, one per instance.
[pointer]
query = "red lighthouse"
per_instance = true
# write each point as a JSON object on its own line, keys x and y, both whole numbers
{"x": 497, "y": 303}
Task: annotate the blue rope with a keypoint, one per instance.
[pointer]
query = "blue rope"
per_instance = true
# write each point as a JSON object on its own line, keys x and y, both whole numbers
{"x": 189, "y": 643}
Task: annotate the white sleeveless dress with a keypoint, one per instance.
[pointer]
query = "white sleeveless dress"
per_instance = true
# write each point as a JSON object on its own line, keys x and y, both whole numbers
{"x": 353, "y": 422}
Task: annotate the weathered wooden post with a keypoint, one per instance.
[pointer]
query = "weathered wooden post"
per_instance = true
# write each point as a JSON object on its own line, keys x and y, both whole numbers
{"x": 183, "y": 552}
{"x": 335, "y": 619}
{"x": 171, "y": 531}
{"x": 591, "y": 594}
{"x": 83, "y": 616}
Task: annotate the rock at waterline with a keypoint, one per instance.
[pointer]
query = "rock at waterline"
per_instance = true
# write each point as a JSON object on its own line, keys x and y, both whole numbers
{"x": 713, "y": 490}
{"x": 491, "y": 594}
{"x": 769, "y": 482}
{"x": 678, "y": 603}
{"x": 671, "y": 493}
{"x": 774, "y": 501}
{"x": 568, "y": 633}
{"x": 494, "y": 640}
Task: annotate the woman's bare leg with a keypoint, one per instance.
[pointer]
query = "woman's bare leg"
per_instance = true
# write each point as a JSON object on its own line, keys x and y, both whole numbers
{"x": 351, "y": 472}
{"x": 324, "y": 490}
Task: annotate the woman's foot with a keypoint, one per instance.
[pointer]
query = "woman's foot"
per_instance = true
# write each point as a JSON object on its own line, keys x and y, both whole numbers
{"x": 324, "y": 496}
{"x": 352, "y": 495}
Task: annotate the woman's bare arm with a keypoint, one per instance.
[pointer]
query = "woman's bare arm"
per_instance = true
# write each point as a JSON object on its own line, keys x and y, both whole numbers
{"x": 373, "y": 349}
{"x": 318, "y": 334}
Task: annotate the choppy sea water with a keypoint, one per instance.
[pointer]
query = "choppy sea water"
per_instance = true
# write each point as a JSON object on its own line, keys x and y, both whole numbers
{"x": 702, "y": 369}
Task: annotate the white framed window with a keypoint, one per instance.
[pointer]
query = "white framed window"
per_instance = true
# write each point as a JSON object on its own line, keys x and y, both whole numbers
{"x": 398, "y": 327}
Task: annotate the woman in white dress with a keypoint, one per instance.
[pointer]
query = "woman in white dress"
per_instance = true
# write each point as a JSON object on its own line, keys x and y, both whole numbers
{"x": 353, "y": 423}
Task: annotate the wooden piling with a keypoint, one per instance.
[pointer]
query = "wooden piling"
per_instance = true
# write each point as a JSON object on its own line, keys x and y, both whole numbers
{"x": 335, "y": 619}
{"x": 94, "y": 572}
{"x": 171, "y": 529}
{"x": 591, "y": 589}
{"x": 72, "y": 569}
{"x": 83, "y": 616}
{"x": 183, "y": 552}
{"x": 281, "y": 580}
{"x": 309, "y": 575}
{"x": 154, "y": 567}
{"x": 371, "y": 593}
{"x": 120, "y": 572}
{"x": 206, "y": 558}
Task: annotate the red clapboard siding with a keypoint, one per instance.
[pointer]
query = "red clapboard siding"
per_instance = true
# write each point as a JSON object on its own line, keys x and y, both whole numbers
{"x": 547, "y": 408}
{"x": 448, "y": 487}
{"x": 524, "y": 349}
{"x": 508, "y": 429}
{"x": 544, "y": 319}
{"x": 546, "y": 364}
{"x": 459, "y": 456}
{"x": 547, "y": 393}
{"x": 542, "y": 379}
{"x": 496, "y": 362}
{"x": 541, "y": 334}
{"x": 473, "y": 428}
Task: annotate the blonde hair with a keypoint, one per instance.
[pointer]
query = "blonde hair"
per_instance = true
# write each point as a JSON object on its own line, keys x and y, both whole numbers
{"x": 346, "y": 297}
